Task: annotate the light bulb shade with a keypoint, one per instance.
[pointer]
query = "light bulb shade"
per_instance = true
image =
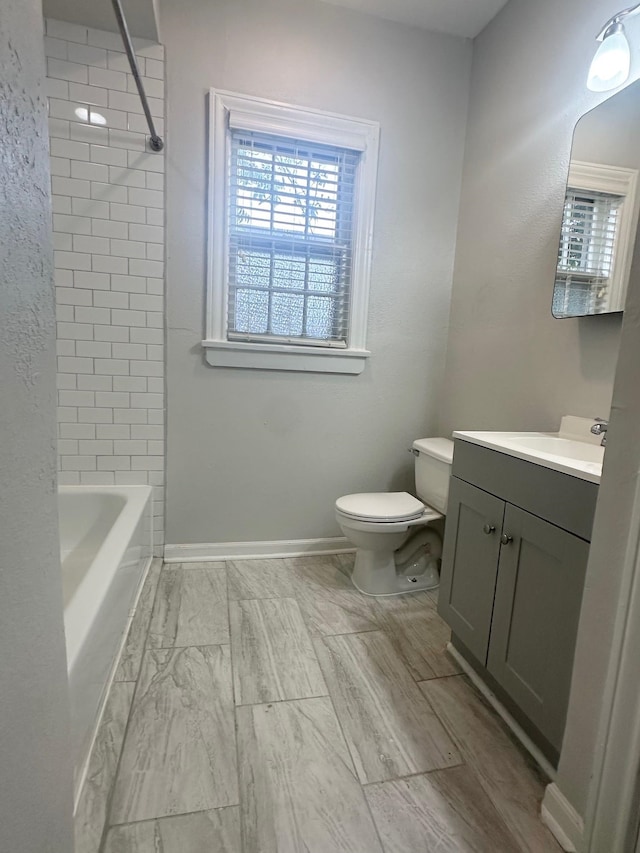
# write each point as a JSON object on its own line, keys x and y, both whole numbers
{"x": 611, "y": 64}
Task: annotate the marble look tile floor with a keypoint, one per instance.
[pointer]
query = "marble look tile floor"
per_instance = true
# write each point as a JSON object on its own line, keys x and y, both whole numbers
{"x": 266, "y": 706}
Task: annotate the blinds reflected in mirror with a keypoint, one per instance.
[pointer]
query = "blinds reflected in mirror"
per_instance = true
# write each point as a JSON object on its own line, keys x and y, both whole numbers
{"x": 290, "y": 220}
{"x": 586, "y": 252}
{"x": 597, "y": 254}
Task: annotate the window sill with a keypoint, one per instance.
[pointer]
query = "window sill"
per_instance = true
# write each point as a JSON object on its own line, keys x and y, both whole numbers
{"x": 283, "y": 357}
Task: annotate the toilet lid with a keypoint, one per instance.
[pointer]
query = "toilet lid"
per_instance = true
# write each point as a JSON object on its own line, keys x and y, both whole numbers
{"x": 381, "y": 506}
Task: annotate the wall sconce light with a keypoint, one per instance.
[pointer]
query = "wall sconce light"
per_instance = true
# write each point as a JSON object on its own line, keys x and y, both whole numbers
{"x": 612, "y": 61}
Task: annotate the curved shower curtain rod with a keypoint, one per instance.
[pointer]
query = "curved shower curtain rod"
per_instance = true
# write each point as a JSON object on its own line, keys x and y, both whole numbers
{"x": 155, "y": 142}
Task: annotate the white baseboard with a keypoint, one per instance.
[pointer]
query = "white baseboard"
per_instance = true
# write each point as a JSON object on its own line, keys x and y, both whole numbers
{"x": 213, "y": 551}
{"x": 562, "y": 819}
{"x": 497, "y": 705}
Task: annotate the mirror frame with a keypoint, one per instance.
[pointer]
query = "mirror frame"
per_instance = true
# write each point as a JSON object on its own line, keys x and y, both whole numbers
{"x": 605, "y": 179}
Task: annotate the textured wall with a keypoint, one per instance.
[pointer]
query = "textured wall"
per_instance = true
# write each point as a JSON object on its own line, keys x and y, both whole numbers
{"x": 510, "y": 365}
{"x": 108, "y": 231}
{"x": 600, "y": 606}
{"x": 620, "y": 478}
{"x": 610, "y": 134}
{"x": 256, "y": 455}
{"x": 35, "y": 771}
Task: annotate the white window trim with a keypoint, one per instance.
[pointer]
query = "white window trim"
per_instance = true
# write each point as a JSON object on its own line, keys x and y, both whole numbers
{"x": 251, "y": 113}
{"x": 617, "y": 180}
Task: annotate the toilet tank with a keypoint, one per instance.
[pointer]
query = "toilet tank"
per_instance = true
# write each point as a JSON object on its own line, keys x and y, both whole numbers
{"x": 433, "y": 459}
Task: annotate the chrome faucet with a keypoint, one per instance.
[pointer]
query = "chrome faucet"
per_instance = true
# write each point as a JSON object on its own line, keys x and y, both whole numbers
{"x": 600, "y": 427}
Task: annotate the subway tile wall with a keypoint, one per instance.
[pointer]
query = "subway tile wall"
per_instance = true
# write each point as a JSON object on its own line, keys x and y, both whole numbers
{"x": 108, "y": 227}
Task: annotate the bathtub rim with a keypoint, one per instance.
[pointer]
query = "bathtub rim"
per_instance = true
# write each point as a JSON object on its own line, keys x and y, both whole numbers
{"x": 81, "y": 611}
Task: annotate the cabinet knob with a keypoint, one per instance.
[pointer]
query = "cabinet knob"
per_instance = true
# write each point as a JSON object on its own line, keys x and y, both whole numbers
{"x": 489, "y": 529}
{"x": 505, "y": 539}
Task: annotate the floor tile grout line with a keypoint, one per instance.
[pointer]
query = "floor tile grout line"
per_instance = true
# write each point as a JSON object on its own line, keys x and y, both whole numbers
{"x": 280, "y": 701}
{"x": 189, "y": 646}
{"x": 329, "y": 653}
{"x": 462, "y": 675}
{"x": 235, "y": 716}
{"x": 262, "y": 598}
{"x": 468, "y": 681}
{"x": 176, "y": 814}
{"x": 311, "y": 646}
{"x": 442, "y": 722}
{"x": 402, "y": 778}
{"x": 107, "y": 812}
{"x": 305, "y": 628}
{"x": 335, "y": 711}
{"x": 296, "y": 593}
{"x": 145, "y": 649}
{"x": 168, "y": 568}
{"x": 457, "y": 741}
{"x": 320, "y": 635}
{"x": 146, "y": 633}
{"x": 522, "y": 848}
{"x": 373, "y": 820}
{"x": 501, "y": 723}
{"x": 328, "y": 695}
{"x": 107, "y": 821}
{"x": 406, "y": 667}
{"x": 320, "y": 638}
{"x": 437, "y": 677}
{"x": 350, "y": 752}
{"x": 347, "y": 633}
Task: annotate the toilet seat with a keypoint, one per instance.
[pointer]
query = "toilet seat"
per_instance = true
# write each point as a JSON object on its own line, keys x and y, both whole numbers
{"x": 381, "y": 507}
{"x": 391, "y": 531}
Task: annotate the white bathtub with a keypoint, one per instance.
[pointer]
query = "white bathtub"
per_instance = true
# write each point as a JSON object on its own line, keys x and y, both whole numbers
{"x": 106, "y": 548}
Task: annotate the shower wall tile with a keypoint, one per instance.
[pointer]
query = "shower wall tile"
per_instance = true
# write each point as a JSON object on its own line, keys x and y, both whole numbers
{"x": 108, "y": 223}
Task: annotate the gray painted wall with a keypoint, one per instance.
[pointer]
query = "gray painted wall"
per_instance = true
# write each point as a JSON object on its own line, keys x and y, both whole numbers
{"x": 610, "y": 133}
{"x": 510, "y": 365}
{"x": 140, "y": 14}
{"x": 256, "y": 455}
{"x": 612, "y": 526}
{"x": 617, "y": 491}
{"x": 35, "y": 772}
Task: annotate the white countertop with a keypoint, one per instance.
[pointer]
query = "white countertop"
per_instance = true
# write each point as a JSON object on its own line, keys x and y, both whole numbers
{"x": 562, "y": 451}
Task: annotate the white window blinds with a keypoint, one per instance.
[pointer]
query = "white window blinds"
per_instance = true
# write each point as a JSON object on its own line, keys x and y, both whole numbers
{"x": 587, "y": 250}
{"x": 290, "y": 237}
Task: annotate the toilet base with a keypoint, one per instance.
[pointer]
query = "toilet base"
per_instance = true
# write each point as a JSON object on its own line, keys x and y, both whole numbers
{"x": 375, "y": 573}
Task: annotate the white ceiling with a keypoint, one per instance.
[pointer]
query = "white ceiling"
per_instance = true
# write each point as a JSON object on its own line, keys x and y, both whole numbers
{"x": 140, "y": 15}
{"x": 456, "y": 17}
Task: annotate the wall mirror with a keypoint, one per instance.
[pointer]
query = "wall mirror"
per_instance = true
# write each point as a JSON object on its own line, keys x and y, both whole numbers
{"x": 599, "y": 230}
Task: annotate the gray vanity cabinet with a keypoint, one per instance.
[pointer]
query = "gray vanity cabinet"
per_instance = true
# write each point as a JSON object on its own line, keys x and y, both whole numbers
{"x": 515, "y": 554}
{"x": 472, "y": 548}
{"x": 535, "y": 617}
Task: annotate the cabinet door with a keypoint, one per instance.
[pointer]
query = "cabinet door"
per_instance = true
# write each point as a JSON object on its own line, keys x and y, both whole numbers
{"x": 535, "y": 618}
{"x": 470, "y": 564}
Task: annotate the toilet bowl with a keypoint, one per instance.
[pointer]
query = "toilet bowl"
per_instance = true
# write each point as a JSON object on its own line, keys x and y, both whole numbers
{"x": 396, "y": 551}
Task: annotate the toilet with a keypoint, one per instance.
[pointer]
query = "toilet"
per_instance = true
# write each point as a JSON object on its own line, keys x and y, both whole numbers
{"x": 396, "y": 551}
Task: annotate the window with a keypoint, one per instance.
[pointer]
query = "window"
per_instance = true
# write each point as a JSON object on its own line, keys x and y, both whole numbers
{"x": 291, "y": 215}
{"x": 290, "y": 226}
{"x": 594, "y": 254}
{"x": 587, "y": 248}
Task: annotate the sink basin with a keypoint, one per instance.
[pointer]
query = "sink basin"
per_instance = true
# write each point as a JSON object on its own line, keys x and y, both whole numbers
{"x": 556, "y": 445}
{"x": 577, "y": 458}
